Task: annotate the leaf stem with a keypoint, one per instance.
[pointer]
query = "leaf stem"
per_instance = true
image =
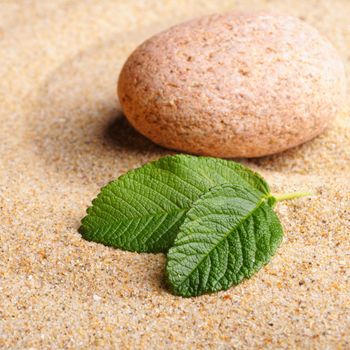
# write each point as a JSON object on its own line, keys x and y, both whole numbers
{"x": 294, "y": 195}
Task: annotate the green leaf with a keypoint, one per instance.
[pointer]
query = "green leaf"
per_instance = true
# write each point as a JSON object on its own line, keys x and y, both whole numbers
{"x": 143, "y": 209}
{"x": 229, "y": 234}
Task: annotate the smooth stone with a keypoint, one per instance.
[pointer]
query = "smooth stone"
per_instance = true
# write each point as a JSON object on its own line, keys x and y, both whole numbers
{"x": 234, "y": 85}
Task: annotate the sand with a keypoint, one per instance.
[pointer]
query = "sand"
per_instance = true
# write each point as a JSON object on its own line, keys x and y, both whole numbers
{"x": 63, "y": 137}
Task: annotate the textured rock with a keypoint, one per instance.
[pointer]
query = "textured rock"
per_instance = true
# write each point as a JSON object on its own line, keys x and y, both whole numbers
{"x": 236, "y": 85}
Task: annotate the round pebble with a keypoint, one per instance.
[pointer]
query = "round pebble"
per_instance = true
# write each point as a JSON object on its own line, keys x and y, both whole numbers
{"x": 234, "y": 85}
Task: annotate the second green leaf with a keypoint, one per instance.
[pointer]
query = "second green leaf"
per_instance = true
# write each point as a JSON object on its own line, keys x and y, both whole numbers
{"x": 228, "y": 234}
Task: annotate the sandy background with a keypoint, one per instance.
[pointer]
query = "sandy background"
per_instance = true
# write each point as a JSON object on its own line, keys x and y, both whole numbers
{"x": 62, "y": 138}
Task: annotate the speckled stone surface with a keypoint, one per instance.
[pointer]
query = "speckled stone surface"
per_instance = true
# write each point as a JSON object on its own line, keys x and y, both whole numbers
{"x": 239, "y": 84}
{"x": 62, "y": 138}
